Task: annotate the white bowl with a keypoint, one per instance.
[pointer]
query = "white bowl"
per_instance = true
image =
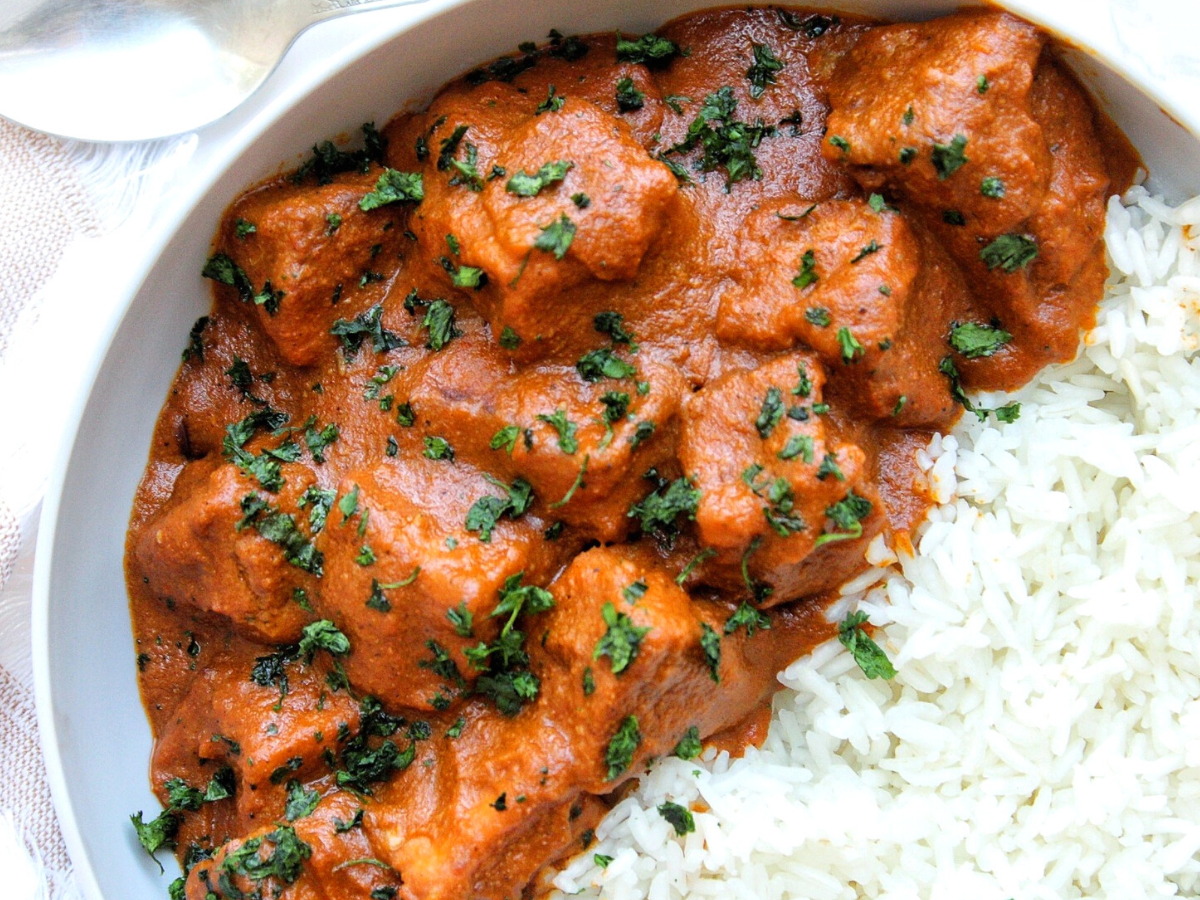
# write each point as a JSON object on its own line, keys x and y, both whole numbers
{"x": 94, "y": 732}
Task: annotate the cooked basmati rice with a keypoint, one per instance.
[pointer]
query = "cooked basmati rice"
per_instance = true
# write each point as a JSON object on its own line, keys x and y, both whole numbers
{"x": 1042, "y": 736}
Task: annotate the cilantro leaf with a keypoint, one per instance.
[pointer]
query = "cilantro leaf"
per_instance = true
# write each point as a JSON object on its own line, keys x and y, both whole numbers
{"x": 762, "y": 73}
{"x": 489, "y": 509}
{"x": 525, "y": 185}
{"x": 770, "y": 414}
{"x": 680, "y": 817}
{"x": 353, "y": 334}
{"x": 394, "y": 187}
{"x": 621, "y": 639}
{"x": 629, "y": 98}
{"x": 949, "y": 158}
{"x": 658, "y": 511}
{"x": 439, "y": 319}
{"x": 603, "y": 363}
{"x": 710, "y": 644}
{"x": 973, "y": 340}
{"x": 618, "y": 756}
{"x": 689, "y": 745}
{"x": 647, "y": 49}
{"x": 746, "y": 616}
{"x": 322, "y": 635}
{"x": 868, "y": 654}
{"x": 566, "y": 430}
{"x": 300, "y": 803}
{"x": 727, "y": 142}
{"x": 808, "y": 272}
{"x": 556, "y": 237}
{"x": 1009, "y": 252}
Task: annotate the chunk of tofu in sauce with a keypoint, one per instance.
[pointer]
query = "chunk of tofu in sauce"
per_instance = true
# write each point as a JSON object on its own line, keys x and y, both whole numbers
{"x": 533, "y": 438}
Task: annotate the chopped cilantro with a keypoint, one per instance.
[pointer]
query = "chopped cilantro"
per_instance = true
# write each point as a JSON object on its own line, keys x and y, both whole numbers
{"x": 771, "y": 413}
{"x": 525, "y": 185}
{"x": 629, "y": 98}
{"x": 647, "y": 49}
{"x": 982, "y": 84}
{"x": 195, "y": 346}
{"x": 819, "y": 316}
{"x": 222, "y": 269}
{"x": 641, "y": 432}
{"x": 746, "y": 616}
{"x": 322, "y": 635}
{"x": 808, "y": 271}
{"x": 439, "y": 319}
{"x": 829, "y": 467}
{"x": 973, "y": 340}
{"x": 618, "y": 756}
{"x": 866, "y": 251}
{"x": 566, "y": 430}
{"x": 509, "y": 339}
{"x": 852, "y": 350}
{"x": 868, "y": 654}
{"x": 556, "y": 237}
{"x": 840, "y": 142}
{"x": 603, "y": 363}
{"x": 616, "y": 406}
{"x": 948, "y": 158}
{"x": 762, "y": 73}
{"x": 907, "y": 155}
{"x": 621, "y": 639}
{"x": 689, "y": 745}
{"x": 353, "y": 334}
{"x": 300, "y": 803}
{"x": 438, "y": 448}
{"x": 489, "y": 509}
{"x": 157, "y": 833}
{"x": 505, "y": 439}
{"x": 394, "y": 187}
{"x": 953, "y": 217}
{"x": 283, "y": 863}
{"x": 1009, "y": 252}
{"x": 729, "y": 144}
{"x": 553, "y": 102}
{"x": 659, "y": 511}
{"x": 992, "y": 187}
{"x": 243, "y": 229}
{"x": 680, "y": 817}
{"x": 847, "y": 514}
{"x": 280, "y": 528}
{"x": 710, "y": 645}
{"x": 798, "y": 445}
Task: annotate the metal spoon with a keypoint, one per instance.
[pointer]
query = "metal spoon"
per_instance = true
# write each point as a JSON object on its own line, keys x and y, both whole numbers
{"x": 131, "y": 70}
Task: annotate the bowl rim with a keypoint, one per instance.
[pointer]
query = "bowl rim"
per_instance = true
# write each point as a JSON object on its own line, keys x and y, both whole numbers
{"x": 236, "y": 133}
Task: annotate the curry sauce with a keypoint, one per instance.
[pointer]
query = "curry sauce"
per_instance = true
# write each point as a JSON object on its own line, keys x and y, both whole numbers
{"x": 526, "y": 443}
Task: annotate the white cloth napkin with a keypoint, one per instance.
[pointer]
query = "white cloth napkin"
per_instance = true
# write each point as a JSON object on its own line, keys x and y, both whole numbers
{"x": 74, "y": 217}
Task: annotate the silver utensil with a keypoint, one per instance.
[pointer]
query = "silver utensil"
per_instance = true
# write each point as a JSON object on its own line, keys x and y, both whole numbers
{"x": 130, "y": 70}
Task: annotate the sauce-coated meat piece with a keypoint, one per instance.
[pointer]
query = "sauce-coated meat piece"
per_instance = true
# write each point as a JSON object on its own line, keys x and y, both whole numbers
{"x": 202, "y": 551}
{"x": 304, "y": 249}
{"x": 775, "y": 482}
{"x": 536, "y": 203}
{"x": 271, "y": 719}
{"x": 995, "y": 148}
{"x": 861, "y": 286}
{"x": 413, "y": 574}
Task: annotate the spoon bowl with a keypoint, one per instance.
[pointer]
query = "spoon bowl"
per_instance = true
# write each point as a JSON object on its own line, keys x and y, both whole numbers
{"x": 132, "y": 70}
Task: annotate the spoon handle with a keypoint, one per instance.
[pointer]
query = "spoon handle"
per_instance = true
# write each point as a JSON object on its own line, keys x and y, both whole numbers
{"x": 329, "y": 9}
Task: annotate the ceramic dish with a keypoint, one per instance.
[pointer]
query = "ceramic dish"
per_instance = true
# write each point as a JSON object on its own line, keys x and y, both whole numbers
{"x": 94, "y": 732}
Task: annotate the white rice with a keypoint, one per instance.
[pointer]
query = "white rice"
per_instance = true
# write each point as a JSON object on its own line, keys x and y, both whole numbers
{"x": 1042, "y": 737}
